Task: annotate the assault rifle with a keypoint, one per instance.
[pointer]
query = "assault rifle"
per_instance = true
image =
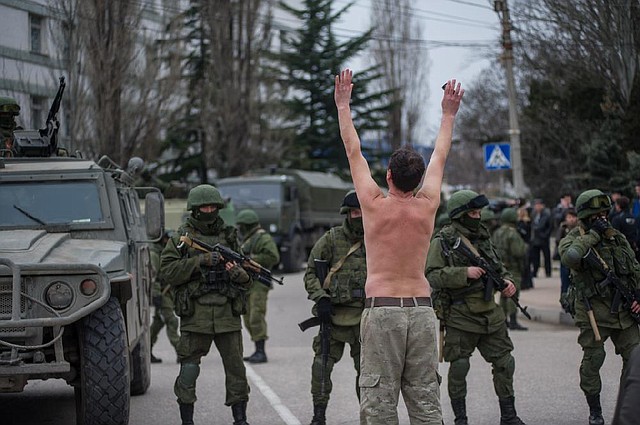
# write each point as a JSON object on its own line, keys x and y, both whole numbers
{"x": 322, "y": 269}
{"x": 50, "y": 132}
{"x": 254, "y": 269}
{"x": 491, "y": 278}
{"x": 622, "y": 294}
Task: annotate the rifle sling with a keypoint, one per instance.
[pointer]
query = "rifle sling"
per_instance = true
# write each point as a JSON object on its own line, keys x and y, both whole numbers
{"x": 338, "y": 265}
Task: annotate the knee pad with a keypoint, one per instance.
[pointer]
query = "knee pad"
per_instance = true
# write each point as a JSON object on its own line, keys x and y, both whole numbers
{"x": 594, "y": 357}
{"x": 189, "y": 374}
{"x": 505, "y": 364}
{"x": 459, "y": 368}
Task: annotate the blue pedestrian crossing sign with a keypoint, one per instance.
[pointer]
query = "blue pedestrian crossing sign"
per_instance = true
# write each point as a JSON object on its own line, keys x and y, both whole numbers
{"x": 497, "y": 156}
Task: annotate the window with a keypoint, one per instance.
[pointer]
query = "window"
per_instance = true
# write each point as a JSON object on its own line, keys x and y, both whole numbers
{"x": 36, "y": 27}
{"x": 37, "y": 112}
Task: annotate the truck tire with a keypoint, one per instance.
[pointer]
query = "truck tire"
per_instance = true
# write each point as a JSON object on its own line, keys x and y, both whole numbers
{"x": 293, "y": 258}
{"x": 141, "y": 365}
{"x": 102, "y": 396}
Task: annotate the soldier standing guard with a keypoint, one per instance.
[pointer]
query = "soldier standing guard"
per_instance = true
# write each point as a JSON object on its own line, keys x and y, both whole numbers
{"x": 210, "y": 296}
{"x": 260, "y": 246}
{"x": 163, "y": 314}
{"x": 9, "y": 110}
{"x": 512, "y": 251}
{"x": 471, "y": 320}
{"x": 339, "y": 299}
{"x": 596, "y": 253}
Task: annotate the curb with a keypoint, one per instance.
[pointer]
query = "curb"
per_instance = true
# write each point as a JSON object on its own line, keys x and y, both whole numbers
{"x": 553, "y": 317}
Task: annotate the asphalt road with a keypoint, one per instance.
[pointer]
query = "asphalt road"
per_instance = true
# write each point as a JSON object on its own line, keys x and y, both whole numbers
{"x": 546, "y": 381}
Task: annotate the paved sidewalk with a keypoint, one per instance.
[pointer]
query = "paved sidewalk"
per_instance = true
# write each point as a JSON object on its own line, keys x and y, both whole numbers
{"x": 543, "y": 301}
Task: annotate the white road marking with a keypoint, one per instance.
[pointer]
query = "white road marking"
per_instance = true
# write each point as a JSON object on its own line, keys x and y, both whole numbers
{"x": 272, "y": 397}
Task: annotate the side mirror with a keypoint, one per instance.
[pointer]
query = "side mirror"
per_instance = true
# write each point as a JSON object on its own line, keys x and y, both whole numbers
{"x": 154, "y": 214}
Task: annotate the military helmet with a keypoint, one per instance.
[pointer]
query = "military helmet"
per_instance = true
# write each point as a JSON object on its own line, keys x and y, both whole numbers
{"x": 509, "y": 215}
{"x": 463, "y": 201}
{"x": 350, "y": 201}
{"x": 592, "y": 202}
{"x": 247, "y": 217}
{"x": 204, "y": 194}
{"x": 9, "y": 106}
{"x": 487, "y": 214}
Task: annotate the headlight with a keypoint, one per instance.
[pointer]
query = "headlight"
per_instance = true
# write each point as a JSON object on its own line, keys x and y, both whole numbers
{"x": 273, "y": 228}
{"x": 59, "y": 295}
{"x": 88, "y": 287}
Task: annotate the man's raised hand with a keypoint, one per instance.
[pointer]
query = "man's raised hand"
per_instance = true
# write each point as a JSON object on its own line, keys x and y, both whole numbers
{"x": 342, "y": 94}
{"x": 451, "y": 98}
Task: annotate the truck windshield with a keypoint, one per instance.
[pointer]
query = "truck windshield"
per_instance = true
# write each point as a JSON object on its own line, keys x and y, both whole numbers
{"x": 41, "y": 203}
{"x": 252, "y": 194}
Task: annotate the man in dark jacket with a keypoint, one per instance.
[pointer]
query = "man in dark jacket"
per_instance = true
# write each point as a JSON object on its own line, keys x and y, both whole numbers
{"x": 540, "y": 238}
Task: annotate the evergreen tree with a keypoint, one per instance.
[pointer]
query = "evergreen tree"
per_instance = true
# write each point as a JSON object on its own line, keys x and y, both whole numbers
{"x": 306, "y": 65}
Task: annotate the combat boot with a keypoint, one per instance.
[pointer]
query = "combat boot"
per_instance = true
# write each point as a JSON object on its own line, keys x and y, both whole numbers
{"x": 459, "y": 411}
{"x": 186, "y": 413}
{"x": 239, "y": 411}
{"x": 508, "y": 415}
{"x": 595, "y": 410}
{"x": 318, "y": 414}
{"x": 259, "y": 356}
{"x": 514, "y": 325}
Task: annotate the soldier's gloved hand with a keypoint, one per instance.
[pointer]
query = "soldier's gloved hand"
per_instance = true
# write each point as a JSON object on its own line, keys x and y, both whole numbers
{"x": 209, "y": 259}
{"x": 157, "y": 301}
{"x": 325, "y": 309}
{"x": 600, "y": 225}
{"x": 237, "y": 274}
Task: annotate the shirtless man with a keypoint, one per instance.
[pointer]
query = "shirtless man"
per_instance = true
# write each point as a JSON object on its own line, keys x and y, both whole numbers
{"x": 398, "y": 326}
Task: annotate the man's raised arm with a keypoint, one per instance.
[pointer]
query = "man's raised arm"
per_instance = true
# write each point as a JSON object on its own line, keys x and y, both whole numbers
{"x": 435, "y": 170}
{"x": 365, "y": 186}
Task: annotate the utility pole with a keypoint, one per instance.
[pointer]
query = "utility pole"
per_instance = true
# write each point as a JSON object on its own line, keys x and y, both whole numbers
{"x": 502, "y": 9}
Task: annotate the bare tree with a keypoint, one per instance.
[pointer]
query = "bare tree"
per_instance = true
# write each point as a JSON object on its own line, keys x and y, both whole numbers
{"x": 396, "y": 48}
{"x": 237, "y": 35}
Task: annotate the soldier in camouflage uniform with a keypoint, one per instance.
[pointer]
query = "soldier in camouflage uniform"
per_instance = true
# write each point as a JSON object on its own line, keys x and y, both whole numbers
{"x": 512, "y": 250}
{"x": 210, "y": 296}
{"x": 595, "y": 233}
{"x": 260, "y": 246}
{"x": 489, "y": 219}
{"x": 340, "y": 300}
{"x": 9, "y": 110}
{"x": 163, "y": 304}
{"x": 471, "y": 321}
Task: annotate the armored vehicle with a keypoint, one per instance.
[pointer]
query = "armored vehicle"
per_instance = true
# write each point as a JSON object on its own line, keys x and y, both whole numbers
{"x": 295, "y": 206}
{"x": 75, "y": 276}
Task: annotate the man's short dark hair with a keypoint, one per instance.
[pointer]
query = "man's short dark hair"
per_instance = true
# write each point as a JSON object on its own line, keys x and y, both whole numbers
{"x": 407, "y": 167}
{"x": 623, "y": 202}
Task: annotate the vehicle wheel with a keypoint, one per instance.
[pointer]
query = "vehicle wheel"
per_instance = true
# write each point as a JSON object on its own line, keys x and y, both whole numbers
{"x": 102, "y": 396}
{"x": 141, "y": 366}
{"x": 293, "y": 258}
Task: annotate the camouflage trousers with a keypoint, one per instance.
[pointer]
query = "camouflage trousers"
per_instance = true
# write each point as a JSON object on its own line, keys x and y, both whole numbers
{"x": 495, "y": 348}
{"x": 162, "y": 317}
{"x": 399, "y": 354}
{"x": 255, "y": 319}
{"x": 340, "y": 336}
{"x": 193, "y": 346}
{"x": 593, "y": 354}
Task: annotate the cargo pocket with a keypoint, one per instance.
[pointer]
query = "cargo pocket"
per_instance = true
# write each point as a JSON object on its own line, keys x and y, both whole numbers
{"x": 369, "y": 380}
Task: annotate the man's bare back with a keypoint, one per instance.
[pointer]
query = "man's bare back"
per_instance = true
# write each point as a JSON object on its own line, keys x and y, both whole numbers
{"x": 397, "y": 227}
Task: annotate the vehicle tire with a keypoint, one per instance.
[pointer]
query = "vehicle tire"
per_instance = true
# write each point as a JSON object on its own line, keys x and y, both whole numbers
{"x": 102, "y": 396}
{"x": 293, "y": 258}
{"x": 141, "y": 365}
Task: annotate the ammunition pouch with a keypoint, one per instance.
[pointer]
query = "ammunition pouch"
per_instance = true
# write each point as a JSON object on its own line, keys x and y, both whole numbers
{"x": 441, "y": 303}
{"x": 183, "y": 303}
{"x": 346, "y": 288}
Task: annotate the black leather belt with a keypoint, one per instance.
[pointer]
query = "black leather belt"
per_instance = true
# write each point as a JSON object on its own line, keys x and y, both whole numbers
{"x": 397, "y": 302}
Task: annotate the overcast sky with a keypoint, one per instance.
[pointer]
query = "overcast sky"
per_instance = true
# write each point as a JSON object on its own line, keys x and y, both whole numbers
{"x": 460, "y": 38}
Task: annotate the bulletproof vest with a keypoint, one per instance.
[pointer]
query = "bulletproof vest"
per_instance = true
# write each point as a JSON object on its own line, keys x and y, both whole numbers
{"x": 347, "y": 284}
{"x": 619, "y": 258}
{"x": 501, "y": 240}
{"x": 217, "y": 277}
{"x": 250, "y": 244}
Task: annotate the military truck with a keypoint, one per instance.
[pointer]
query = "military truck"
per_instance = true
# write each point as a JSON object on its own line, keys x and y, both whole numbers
{"x": 295, "y": 206}
{"x": 75, "y": 276}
